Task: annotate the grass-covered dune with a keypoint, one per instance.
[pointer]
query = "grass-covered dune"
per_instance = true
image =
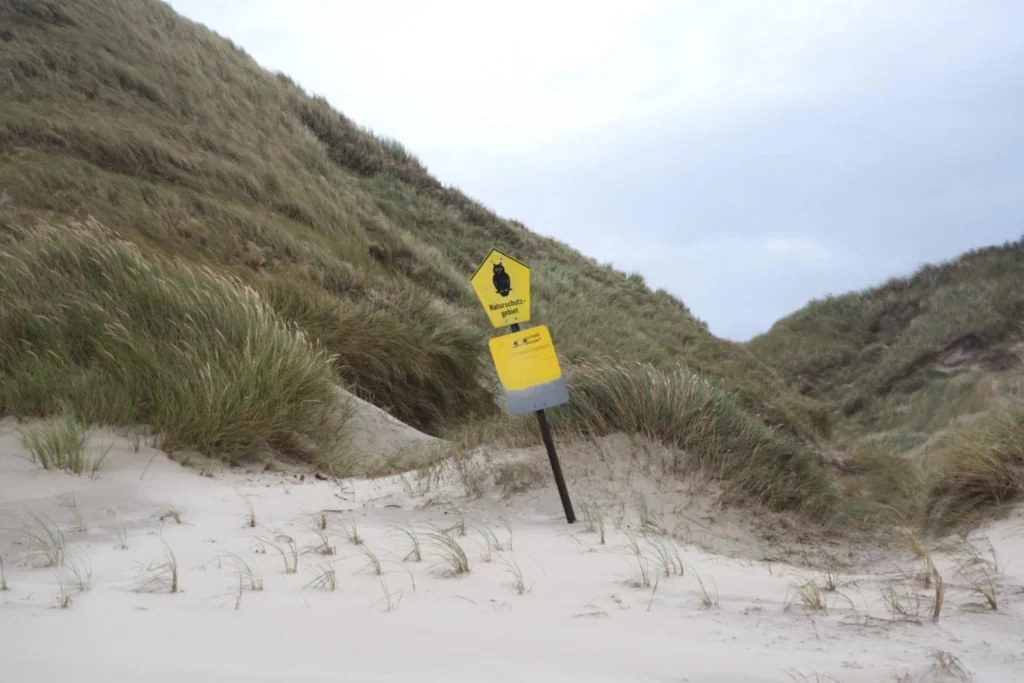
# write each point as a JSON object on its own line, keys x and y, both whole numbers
{"x": 88, "y": 323}
{"x": 197, "y": 244}
{"x": 193, "y": 243}
{"x": 925, "y": 372}
{"x": 872, "y": 354}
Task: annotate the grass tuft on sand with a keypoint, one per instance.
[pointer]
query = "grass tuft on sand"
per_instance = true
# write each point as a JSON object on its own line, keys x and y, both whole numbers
{"x": 61, "y": 443}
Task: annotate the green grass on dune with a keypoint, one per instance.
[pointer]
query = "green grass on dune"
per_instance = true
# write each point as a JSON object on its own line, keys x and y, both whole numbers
{"x": 411, "y": 359}
{"x": 596, "y": 312}
{"x": 692, "y": 413}
{"x": 979, "y": 467}
{"x": 180, "y": 143}
{"x": 709, "y": 431}
{"x": 921, "y": 374}
{"x": 870, "y": 353}
{"x": 184, "y": 148}
{"x": 88, "y": 323}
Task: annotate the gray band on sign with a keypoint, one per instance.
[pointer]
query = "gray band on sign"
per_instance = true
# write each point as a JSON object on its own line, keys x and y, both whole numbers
{"x": 548, "y": 395}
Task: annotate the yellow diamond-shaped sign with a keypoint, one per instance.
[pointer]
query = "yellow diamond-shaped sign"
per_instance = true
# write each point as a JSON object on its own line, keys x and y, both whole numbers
{"x": 503, "y": 287}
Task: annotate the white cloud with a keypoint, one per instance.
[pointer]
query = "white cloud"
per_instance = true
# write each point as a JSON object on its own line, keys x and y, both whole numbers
{"x": 503, "y": 78}
{"x": 792, "y": 249}
{"x": 726, "y": 253}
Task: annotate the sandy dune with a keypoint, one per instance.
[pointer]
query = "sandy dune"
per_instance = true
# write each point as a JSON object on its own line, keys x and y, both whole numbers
{"x": 584, "y": 613}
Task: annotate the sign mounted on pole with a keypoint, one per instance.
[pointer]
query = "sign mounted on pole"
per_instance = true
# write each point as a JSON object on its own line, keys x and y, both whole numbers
{"x": 503, "y": 286}
{"x": 528, "y": 368}
{"x": 525, "y": 359}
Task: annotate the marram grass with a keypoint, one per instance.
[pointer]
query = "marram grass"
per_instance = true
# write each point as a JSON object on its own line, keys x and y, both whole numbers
{"x": 979, "y": 466}
{"x": 87, "y": 322}
{"x": 709, "y": 427}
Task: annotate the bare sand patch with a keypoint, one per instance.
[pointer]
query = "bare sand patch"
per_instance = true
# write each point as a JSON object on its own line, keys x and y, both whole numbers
{"x": 263, "y": 576}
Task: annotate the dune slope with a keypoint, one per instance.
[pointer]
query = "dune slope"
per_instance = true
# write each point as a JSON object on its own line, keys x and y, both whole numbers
{"x": 179, "y": 142}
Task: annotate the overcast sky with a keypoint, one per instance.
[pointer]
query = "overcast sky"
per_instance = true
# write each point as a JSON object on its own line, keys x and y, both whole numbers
{"x": 746, "y": 156}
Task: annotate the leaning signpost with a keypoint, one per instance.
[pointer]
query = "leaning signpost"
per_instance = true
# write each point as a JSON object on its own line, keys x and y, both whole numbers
{"x": 526, "y": 361}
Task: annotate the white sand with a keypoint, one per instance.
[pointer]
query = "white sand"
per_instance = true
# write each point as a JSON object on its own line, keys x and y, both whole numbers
{"x": 374, "y": 433}
{"x": 582, "y": 619}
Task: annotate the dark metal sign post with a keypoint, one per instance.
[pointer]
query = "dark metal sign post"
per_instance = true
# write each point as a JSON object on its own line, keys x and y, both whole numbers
{"x": 556, "y": 467}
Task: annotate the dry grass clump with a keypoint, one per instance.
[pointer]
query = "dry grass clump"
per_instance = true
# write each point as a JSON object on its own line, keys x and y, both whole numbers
{"x": 948, "y": 664}
{"x": 655, "y": 556}
{"x": 172, "y": 514}
{"x": 325, "y": 576}
{"x": 43, "y": 537}
{"x": 815, "y": 593}
{"x": 161, "y": 577}
{"x": 288, "y": 549}
{"x": 454, "y": 560}
{"x": 798, "y": 677}
{"x": 64, "y": 594}
{"x": 903, "y": 601}
{"x": 250, "y": 517}
{"x": 519, "y": 476}
{"x": 372, "y": 561}
{"x": 693, "y": 413}
{"x": 517, "y": 575}
{"x": 980, "y": 467}
{"x": 352, "y": 532}
{"x": 708, "y": 599}
{"x": 391, "y": 600}
{"x": 249, "y": 575}
{"x": 902, "y": 598}
{"x": 979, "y": 572}
{"x": 593, "y": 518}
{"x": 88, "y": 322}
{"x": 61, "y": 443}
{"x": 82, "y": 571}
{"x": 323, "y": 545}
{"x": 415, "y": 553}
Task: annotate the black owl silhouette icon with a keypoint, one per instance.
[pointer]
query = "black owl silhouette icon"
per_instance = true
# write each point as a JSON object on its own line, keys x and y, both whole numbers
{"x": 502, "y": 283}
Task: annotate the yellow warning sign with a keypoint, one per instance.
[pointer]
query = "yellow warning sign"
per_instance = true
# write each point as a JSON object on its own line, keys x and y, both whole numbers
{"x": 528, "y": 368}
{"x": 503, "y": 286}
{"x": 525, "y": 358}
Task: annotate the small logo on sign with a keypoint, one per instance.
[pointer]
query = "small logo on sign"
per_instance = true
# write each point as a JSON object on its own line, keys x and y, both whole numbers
{"x": 501, "y": 280}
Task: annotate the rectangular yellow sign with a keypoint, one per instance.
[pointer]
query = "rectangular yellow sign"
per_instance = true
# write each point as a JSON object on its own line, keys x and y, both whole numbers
{"x": 526, "y": 358}
{"x": 528, "y": 368}
{"x": 503, "y": 286}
